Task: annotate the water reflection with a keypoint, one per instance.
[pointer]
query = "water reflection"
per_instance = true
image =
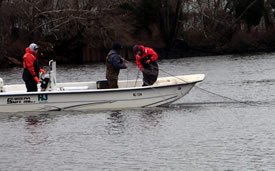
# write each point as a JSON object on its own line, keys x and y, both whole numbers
{"x": 35, "y": 135}
{"x": 36, "y": 120}
{"x": 151, "y": 118}
{"x": 116, "y": 124}
{"x": 122, "y": 122}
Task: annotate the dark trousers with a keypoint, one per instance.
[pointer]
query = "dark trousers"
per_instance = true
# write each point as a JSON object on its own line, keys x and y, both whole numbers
{"x": 112, "y": 83}
{"x": 31, "y": 85}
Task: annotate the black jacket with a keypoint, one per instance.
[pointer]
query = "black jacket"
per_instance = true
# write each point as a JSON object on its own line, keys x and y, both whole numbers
{"x": 113, "y": 58}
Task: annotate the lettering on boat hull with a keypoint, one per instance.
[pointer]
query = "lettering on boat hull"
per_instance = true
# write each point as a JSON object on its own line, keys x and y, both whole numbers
{"x": 20, "y": 100}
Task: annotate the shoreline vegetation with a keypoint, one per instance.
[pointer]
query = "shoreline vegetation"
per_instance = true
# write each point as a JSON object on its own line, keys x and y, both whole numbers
{"x": 82, "y": 31}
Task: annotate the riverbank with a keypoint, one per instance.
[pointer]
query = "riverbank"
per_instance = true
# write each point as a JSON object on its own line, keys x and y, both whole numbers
{"x": 164, "y": 53}
{"x": 200, "y": 51}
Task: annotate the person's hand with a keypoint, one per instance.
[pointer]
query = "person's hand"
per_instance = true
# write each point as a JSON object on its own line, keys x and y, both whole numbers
{"x": 36, "y": 79}
{"x": 42, "y": 70}
{"x": 126, "y": 65}
{"x": 148, "y": 61}
{"x": 142, "y": 69}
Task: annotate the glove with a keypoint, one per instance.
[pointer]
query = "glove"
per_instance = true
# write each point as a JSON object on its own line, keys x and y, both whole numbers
{"x": 148, "y": 61}
{"x": 42, "y": 70}
{"x": 36, "y": 79}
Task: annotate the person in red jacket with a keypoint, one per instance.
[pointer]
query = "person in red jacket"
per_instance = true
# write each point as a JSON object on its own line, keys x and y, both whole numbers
{"x": 146, "y": 59}
{"x": 31, "y": 68}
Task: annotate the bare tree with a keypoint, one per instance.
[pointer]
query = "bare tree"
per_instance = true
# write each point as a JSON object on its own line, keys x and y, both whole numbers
{"x": 97, "y": 23}
{"x": 171, "y": 13}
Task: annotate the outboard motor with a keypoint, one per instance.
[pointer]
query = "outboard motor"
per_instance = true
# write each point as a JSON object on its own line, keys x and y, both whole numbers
{"x": 44, "y": 82}
{"x": 48, "y": 81}
{"x": 1, "y": 85}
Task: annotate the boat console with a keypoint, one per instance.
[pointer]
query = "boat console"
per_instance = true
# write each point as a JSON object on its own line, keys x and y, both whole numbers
{"x": 48, "y": 81}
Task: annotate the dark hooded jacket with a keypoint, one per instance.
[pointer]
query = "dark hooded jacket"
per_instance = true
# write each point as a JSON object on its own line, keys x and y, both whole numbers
{"x": 113, "y": 64}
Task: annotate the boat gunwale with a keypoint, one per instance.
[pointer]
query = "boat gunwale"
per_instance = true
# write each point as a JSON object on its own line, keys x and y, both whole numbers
{"x": 98, "y": 90}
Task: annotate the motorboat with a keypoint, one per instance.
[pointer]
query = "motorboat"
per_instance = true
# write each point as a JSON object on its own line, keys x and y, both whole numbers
{"x": 94, "y": 95}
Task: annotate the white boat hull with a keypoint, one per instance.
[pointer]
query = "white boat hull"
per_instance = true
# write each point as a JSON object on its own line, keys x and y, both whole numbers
{"x": 67, "y": 97}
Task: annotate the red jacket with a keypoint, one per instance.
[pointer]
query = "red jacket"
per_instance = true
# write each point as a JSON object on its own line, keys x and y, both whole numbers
{"x": 28, "y": 61}
{"x": 146, "y": 51}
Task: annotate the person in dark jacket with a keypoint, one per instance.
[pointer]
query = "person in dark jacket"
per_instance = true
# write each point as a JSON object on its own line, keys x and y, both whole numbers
{"x": 114, "y": 62}
{"x": 146, "y": 59}
{"x": 31, "y": 68}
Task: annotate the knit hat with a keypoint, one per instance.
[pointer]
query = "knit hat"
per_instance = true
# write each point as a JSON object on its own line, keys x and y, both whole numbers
{"x": 116, "y": 46}
{"x": 33, "y": 47}
{"x": 136, "y": 48}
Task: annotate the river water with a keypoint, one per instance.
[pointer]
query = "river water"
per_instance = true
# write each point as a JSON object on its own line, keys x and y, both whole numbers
{"x": 226, "y": 123}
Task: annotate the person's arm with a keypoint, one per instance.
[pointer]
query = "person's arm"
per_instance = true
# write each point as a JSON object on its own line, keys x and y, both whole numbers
{"x": 29, "y": 65}
{"x": 117, "y": 64}
{"x": 139, "y": 63}
{"x": 154, "y": 55}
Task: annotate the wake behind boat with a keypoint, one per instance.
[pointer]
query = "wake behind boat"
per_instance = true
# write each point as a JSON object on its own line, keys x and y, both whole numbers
{"x": 93, "y": 95}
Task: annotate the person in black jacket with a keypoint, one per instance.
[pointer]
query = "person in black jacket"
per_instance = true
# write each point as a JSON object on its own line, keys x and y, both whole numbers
{"x": 114, "y": 62}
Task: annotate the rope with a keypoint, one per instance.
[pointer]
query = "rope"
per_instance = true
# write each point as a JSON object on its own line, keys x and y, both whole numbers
{"x": 210, "y": 92}
{"x": 207, "y": 91}
{"x": 127, "y": 77}
{"x": 137, "y": 78}
{"x": 156, "y": 91}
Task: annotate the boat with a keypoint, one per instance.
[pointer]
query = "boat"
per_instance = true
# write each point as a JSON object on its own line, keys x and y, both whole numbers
{"x": 94, "y": 95}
